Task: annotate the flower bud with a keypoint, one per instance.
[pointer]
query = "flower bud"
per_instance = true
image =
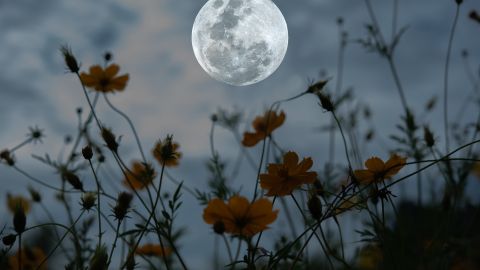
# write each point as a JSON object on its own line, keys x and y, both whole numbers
{"x": 317, "y": 87}
{"x": 219, "y": 227}
{"x": 123, "y": 204}
{"x": 100, "y": 259}
{"x": 428, "y": 137}
{"x": 326, "y": 102}
{"x": 5, "y": 155}
{"x": 315, "y": 207}
{"x": 19, "y": 219}
{"x": 130, "y": 264}
{"x": 73, "y": 179}
{"x": 70, "y": 60}
{"x": 109, "y": 139}
{"x": 9, "y": 239}
{"x": 88, "y": 200}
{"x": 87, "y": 152}
{"x": 35, "y": 195}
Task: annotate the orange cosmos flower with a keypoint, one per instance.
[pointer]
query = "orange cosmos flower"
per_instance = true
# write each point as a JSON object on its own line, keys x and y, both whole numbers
{"x": 140, "y": 176}
{"x": 377, "y": 170}
{"x": 239, "y": 216}
{"x": 165, "y": 152}
{"x": 14, "y": 201}
{"x": 263, "y": 126}
{"x": 153, "y": 250}
{"x": 283, "y": 178}
{"x": 31, "y": 258}
{"x": 104, "y": 80}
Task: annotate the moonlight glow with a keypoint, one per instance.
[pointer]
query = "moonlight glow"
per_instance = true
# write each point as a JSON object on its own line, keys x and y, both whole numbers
{"x": 239, "y": 42}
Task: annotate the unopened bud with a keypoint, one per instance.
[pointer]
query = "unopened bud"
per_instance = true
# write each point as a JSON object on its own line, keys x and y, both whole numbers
{"x": 428, "y": 137}
{"x": 88, "y": 200}
{"x": 5, "y": 155}
{"x": 70, "y": 60}
{"x": 109, "y": 139}
{"x": 219, "y": 227}
{"x": 315, "y": 207}
{"x": 73, "y": 179}
{"x": 123, "y": 204}
{"x": 9, "y": 239}
{"x": 35, "y": 195}
{"x": 87, "y": 152}
{"x": 19, "y": 219}
{"x": 100, "y": 259}
{"x": 326, "y": 102}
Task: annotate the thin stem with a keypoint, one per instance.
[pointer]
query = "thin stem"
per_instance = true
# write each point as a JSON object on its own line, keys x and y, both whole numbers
{"x": 69, "y": 230}
{"x": 445, "y": 79}
{"x": 227, "y": 245}
{"x": 137, "y": 139}
{"x": 98, "y": 203}
{"x": 344, "y": 142}
{"x": 19, "y": 251}
{"x": 114, "y": 242}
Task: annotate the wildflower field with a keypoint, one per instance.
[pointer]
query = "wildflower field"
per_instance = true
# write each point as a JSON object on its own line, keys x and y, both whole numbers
{"x": 113, "y": 200}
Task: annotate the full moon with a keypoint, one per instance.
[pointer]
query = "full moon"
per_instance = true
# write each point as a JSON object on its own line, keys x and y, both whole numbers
{"x": 239, "y": 42}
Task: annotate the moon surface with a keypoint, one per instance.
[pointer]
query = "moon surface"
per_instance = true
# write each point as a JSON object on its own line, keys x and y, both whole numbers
{"x": 240, "y": 42}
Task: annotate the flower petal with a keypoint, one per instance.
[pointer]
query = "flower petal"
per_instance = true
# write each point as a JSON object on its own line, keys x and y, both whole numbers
{"x": 111, "y": 71}
{"x": 290, "y": 159}
{"x": 251, "y": 139}
{"x": 120, "y": 82}
{"x": 375, "y": 164}
{"x": 216, "y": 210}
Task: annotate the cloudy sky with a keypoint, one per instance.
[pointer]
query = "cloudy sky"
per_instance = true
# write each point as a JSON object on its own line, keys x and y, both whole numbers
{"x": 169, "y": 93}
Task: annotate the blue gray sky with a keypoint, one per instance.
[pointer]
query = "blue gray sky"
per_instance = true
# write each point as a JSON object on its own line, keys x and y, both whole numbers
{"x": 169, "y": 93}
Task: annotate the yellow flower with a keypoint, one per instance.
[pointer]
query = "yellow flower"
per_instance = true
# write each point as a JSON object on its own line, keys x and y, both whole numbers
{"x": 476, "y": 169}
{"x": 140, "y": 176}
{"x": 166, "y": 152}
{"x": 263, "y": 126}
{"x": 377, "y": 170}
{"x": 31, "y": 258}
{"x": 239, "y": 216}
{"x": 153, "y": 250}
{"x": 104, "y": 80}
{"x": 283, "y": 178}
{"x": 14, "y": 201}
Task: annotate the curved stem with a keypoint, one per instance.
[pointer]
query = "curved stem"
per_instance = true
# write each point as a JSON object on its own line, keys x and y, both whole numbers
{"x": 445, "y": 79}
{"x": 137, "y": 139}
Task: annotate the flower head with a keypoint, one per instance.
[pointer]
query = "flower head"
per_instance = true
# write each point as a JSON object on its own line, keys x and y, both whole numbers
{"x": 166, "y": 152}
{"x": 283, "y": 178}
{"x": 263, "y": 126}
{"x": 153, "y": 250}
{"x": 31, "y": 259}
{"x": 17, "y": 201}
{"x": 239, "y": 216}
{"x": 104, "y": 80}
{"x": 140, "y": 176}
{"x": 377, "y": 170}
